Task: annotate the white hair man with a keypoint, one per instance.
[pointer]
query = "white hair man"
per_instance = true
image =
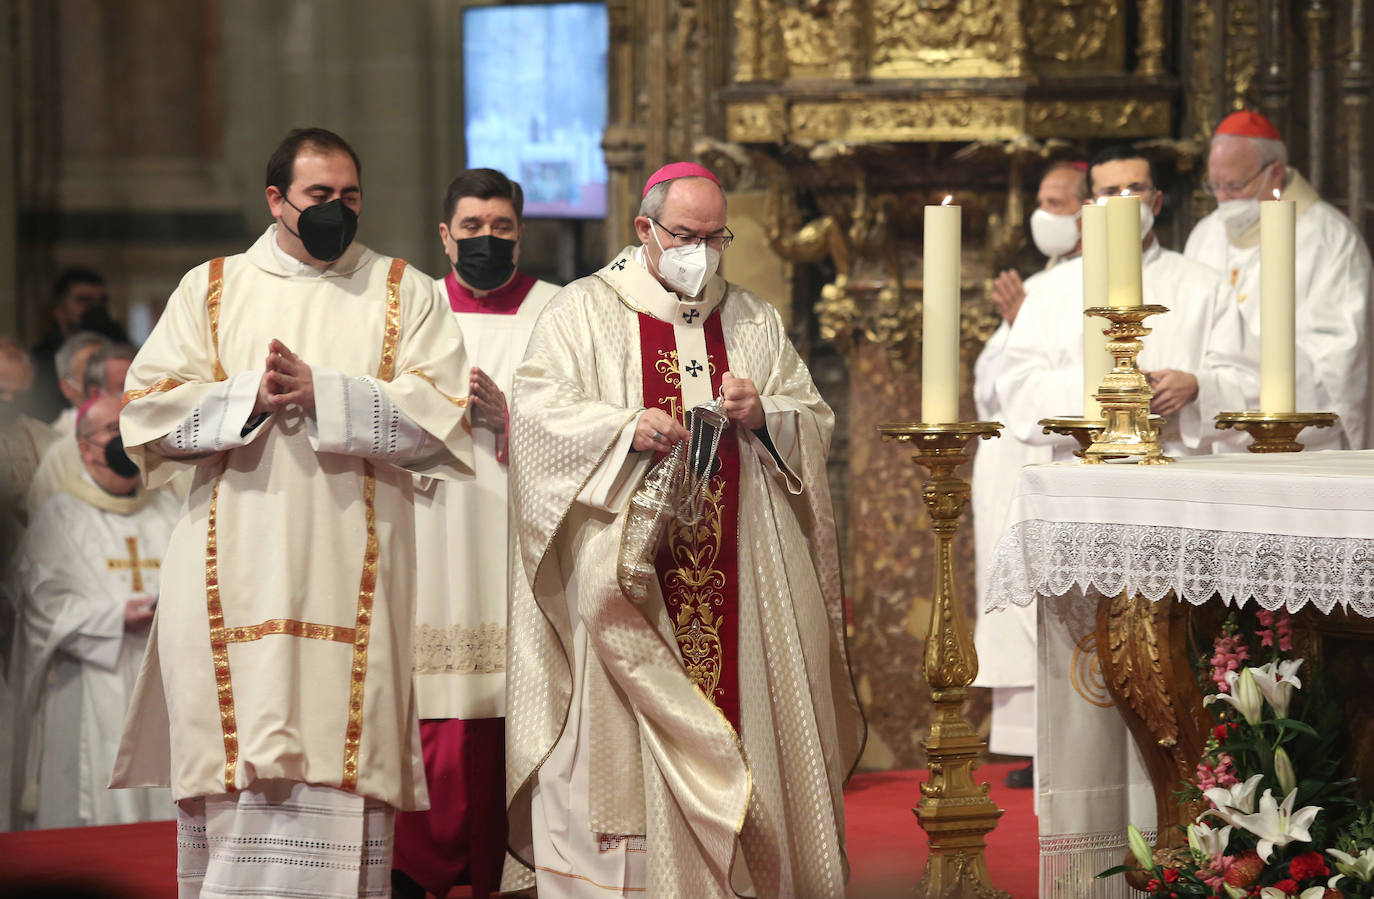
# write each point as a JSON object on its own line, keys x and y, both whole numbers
{"x": 689, "y": 734}
{"x": 1247, "y": 164}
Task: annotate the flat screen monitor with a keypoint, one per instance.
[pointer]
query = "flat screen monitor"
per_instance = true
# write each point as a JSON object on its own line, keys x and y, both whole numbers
{"x": 534, "y": 95}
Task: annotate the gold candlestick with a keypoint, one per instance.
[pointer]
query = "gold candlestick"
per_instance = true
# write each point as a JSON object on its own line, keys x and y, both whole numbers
{"x": 1125, "y": 394}
{"x": 954, "y": 811}
{"x": 1275, "y": 432}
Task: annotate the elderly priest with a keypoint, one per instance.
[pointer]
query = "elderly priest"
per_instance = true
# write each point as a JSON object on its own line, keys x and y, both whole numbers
{"x": 88, "y": 574}
{"x": 1248, "y": 164}
{"x": 305, "y": 380}
{"x": 696, "y": 743}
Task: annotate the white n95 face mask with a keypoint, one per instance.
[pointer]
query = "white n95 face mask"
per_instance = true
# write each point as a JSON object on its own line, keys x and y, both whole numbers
{"x": 1239, "y": 216}
{"x": 687, "y": 269}
{"x": 1054, "y": 234}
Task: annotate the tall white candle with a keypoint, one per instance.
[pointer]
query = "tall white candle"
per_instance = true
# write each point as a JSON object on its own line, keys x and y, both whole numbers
{"x": 940, "y": 319}
{"x": 1096, "y": 361}
{"x": 1123, "y": 251}
{"x": 1278, "y": 348}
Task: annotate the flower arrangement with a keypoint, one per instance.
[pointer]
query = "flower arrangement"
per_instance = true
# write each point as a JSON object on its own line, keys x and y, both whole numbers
{"x": 1280, "y": 822}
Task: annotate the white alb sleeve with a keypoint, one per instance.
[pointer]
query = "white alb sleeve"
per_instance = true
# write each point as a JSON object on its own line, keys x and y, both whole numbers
{"x": 355, "y": 417}
{"x": 219, "y": 422}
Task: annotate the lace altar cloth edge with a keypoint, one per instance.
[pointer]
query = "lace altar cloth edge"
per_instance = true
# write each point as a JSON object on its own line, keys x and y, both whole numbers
{"x": 1284, "y": 530}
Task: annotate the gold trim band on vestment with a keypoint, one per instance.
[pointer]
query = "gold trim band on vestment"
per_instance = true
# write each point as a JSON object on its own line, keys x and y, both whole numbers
{"x": 212, "y": 307}
{"x": 363, "y": 626}
{"x": 290, "y": 627}
{"x": 219, "y": 647}
{"x": 460, "y": 401}
{"x": 391, "y": 335}
{"x": 159, "y": 387}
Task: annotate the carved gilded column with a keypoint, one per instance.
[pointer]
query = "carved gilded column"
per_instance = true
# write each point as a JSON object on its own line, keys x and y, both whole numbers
{"x": 1355, "y": 87}
{"x": 1317, "y": 15}
{"x": 1275, "y": 83}
{"x": 1151, "y": 51}
{"x": 624, "y": 139}
{"x": 1143, "y": 648}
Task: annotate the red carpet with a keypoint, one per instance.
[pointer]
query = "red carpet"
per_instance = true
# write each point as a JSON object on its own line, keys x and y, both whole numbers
{"x": 887, "y": 847}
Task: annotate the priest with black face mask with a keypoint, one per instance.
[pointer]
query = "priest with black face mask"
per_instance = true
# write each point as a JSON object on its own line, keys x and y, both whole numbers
{"x": 305, "y": 382}
{"x": 461, "y": 538}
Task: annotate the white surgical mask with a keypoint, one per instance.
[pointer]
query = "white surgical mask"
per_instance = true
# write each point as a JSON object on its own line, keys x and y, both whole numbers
{"x": 1147, "y": 217}
{"x": 1054, "y": 234}
{"x": 686, "y": 269}
{"x": 1239, "y": 216}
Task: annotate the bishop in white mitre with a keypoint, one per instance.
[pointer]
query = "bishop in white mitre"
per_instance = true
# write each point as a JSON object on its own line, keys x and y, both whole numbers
{"x": 88, "y": 571}
{"x": 306, "y": 381}
{"x": 1197, "y": 358}
{"x": 1247, "y": 163}
{"x": 696, "y": 743}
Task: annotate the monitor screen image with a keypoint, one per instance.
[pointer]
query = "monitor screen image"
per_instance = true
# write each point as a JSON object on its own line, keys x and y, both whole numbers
{"x": 534, "y": 95}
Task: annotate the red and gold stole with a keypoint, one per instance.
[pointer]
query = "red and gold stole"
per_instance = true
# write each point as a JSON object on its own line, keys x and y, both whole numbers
{"x": 698, "y": 565}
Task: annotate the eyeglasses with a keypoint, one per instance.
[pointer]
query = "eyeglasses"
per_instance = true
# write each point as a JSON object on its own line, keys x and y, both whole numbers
{"x": 1234, "y": 187}
{"x": 719, "y": 242}
{"x": 1139, "y": 188}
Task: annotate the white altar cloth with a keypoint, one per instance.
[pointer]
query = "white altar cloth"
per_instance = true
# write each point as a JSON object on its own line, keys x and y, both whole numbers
{"x": 1284, "y": 530}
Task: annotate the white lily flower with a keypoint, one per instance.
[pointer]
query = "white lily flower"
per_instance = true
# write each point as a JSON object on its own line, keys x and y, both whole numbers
{"x": 1238, "y": 799}
{"x": 1244, "y": 696}
{"x": 1206, "y": 842}
{"x": 1141, "y": 849}
{"x": 1276, "y": 893}
{"x": 1277, "y": 681}
{"x": 1360, "y": 867}
{"x": 1276, "y": 824}
{"x": 1283, "y": 770}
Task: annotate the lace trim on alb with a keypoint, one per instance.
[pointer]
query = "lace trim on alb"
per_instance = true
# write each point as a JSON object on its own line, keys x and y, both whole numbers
{"x": 460, "y": 650}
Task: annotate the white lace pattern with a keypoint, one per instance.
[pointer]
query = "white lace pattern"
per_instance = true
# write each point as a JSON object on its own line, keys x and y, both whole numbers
{"x": 1044, "y": 558}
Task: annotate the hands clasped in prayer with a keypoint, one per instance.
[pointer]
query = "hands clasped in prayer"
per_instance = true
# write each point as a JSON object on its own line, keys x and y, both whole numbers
{"x": 658, "y": 431}
{"x": 1008, "y": 292}
{"x": 287, "y": 382}
{"x": 488, "y": 402}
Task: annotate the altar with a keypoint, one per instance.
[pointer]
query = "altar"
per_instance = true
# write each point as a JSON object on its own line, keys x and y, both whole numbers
{"x": 1115, "y": 556}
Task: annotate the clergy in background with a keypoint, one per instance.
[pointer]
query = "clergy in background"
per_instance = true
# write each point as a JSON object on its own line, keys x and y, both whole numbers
{"x": 1197, "y": 359}
{"x": 88, "y": 572}
{"x": 103, "y": 368}
{"x": 696, "y": 744}
{"x": 462, "y": 574}
{"x": 1247, "y": 163}
{"x": 22, "y": 441}
{"x": 305, "y": 381}
{"x": 1006, "y": 639}
{"x": 74, "y": 294}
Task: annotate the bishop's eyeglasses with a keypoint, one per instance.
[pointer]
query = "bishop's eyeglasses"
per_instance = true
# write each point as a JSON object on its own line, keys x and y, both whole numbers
{"x": 719, "y": 242}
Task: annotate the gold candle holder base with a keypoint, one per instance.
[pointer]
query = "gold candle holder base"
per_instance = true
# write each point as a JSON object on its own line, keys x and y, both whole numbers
{"x": 1275, "y": 432}
{"x": 1084, "y": 430}
{"x": 955, "y": 812}
{"x": 1125, "y": 394}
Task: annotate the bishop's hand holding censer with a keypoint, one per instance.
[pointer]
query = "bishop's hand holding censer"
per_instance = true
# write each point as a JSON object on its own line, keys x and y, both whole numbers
{"x": 674, "y": 487}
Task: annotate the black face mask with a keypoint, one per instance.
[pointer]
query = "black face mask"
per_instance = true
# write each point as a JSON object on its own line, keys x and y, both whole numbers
{"x": 486, "y": 262}
{"x": 326, "y": 229}
{"x": 118, "y": 460}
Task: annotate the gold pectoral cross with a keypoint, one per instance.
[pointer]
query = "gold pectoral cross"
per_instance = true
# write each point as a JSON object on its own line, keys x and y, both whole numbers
{"x": 133, "y": 563}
